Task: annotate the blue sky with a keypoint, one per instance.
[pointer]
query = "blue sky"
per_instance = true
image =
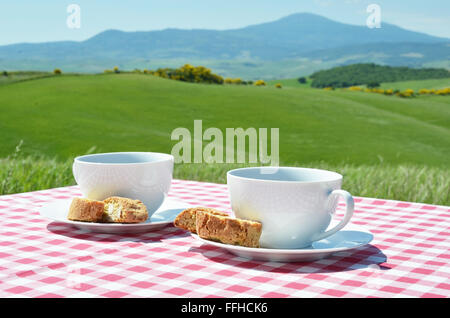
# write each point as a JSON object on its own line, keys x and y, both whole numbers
{"x": 45, "y": 20}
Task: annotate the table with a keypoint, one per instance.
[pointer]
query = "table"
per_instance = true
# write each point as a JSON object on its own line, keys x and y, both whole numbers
{"x": 409, "y": 256}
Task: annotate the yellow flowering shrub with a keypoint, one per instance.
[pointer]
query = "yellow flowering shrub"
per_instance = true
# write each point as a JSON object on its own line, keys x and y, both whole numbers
{"x": 189, "y": 73}
{"x": 406, "y": 93}
{"x": 443, "y": 91}
{"x": 236, "y": 81}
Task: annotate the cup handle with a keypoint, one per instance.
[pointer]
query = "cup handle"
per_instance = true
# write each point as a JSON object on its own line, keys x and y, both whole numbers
{"x": 348, "y": 214}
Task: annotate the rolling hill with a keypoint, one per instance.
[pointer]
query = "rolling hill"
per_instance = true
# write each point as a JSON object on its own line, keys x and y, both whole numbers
{"x": 64, "y": 116}
{"x": 300, "y": 42}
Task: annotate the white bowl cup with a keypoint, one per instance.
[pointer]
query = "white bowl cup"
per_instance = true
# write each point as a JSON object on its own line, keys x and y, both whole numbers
{"x": 144, "y": 176}
{"x": 294, "y": 205}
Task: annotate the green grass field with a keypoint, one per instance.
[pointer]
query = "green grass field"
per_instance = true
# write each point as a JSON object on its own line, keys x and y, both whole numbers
{"x": 290, "y": 82}
{"x": 387, "y": 146}
{"x": 67, "y": 115}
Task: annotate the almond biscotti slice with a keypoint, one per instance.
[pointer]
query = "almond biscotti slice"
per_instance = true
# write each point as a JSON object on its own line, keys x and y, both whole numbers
{"x": 186, "y": 219}
{"x": 124, "y": 210}
{"x": 86, "y": 210}
{"x": 228, "y": 230}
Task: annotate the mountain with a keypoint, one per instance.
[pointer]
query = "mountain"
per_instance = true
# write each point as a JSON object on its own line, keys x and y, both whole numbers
{"x": 297, "y": 38}
{"x": 305, "y": 32}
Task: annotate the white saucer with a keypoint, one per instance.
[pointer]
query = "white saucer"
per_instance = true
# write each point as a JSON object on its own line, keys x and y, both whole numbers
{"x": 165, "y": 215}
{"x": 350, "y": 237}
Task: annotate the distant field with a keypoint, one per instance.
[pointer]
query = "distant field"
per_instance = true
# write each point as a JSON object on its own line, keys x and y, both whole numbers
{"x": 291, "y": 82}
{"x": 12, "y": 77}
{"x": 417, "y": 85}
{"x": 246, "y": 69}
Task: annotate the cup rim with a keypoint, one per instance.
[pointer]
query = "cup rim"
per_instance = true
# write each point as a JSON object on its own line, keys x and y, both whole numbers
{"x": 165, "y": 157}
{"x": 337, "y": 176}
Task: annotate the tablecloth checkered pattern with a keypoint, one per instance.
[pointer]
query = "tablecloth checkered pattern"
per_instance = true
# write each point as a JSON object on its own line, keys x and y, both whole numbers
{"x": 409, "y": 256}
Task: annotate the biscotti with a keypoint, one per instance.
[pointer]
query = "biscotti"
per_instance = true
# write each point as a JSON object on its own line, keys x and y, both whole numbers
{"x": 86, "y": 210}
{"x": 124, "y": 210}
{"x": 228, "y": 230}
{"x": 186, "y": 220}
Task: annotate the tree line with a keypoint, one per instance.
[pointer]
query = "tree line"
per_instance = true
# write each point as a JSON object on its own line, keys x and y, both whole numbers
{"x": 372, "y": 74}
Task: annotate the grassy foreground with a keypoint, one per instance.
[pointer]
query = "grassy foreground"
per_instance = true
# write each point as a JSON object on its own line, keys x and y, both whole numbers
{"x": 406, "y": 182}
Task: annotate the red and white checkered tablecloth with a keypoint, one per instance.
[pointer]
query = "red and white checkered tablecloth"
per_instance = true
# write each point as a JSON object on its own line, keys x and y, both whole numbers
{"x": 409, "y": 256}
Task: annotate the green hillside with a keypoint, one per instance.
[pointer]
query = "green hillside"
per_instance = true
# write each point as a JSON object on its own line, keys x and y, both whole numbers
{"x": 67, "y": 115}
{"x": 366, "y": 73}
{"x": 290, "y": 82}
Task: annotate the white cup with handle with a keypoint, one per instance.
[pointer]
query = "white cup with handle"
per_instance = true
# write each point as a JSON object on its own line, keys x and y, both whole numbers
{"x": 294, "y": 205}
